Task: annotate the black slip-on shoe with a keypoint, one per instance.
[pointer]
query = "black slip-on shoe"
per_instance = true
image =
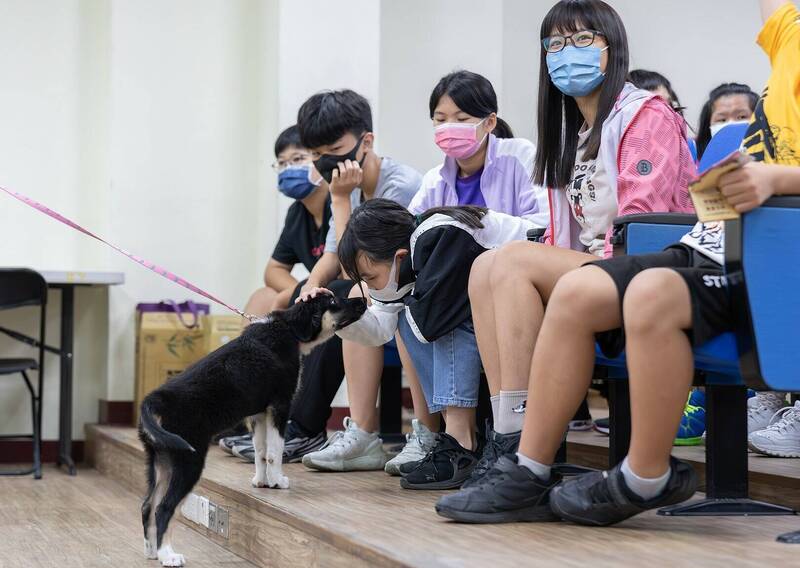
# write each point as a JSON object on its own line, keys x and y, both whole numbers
{"x": 447, "y": 466}
{"x": 496, "y": 445}
{"x": 601, "y": 498}
{"x": 507, "y": 493}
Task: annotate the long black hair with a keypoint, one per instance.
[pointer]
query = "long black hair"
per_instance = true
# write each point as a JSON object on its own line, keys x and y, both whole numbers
{"x": 558, "y": 116}
{"x": 473, "y": 94}
{"x": 652, "y": 80}
{"x": 704, "y": 125}
{"x": 378, "y": 228}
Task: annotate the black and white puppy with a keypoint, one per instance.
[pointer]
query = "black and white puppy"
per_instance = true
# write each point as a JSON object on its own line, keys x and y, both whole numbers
{"x": 255, "y": 375}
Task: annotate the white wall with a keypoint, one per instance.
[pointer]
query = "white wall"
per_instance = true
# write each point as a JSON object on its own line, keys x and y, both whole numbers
{"x": 153, "y": 123}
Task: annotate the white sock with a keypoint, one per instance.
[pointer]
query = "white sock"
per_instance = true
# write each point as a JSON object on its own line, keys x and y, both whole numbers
{"x": 495, "y": 400}
{"x": 540, "y": 470}
{"x": 508, "y": 421}
{"x": 644, "y": 487}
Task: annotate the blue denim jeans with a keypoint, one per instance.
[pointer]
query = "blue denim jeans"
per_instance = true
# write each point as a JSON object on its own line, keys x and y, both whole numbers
{"x": 448, "y": 368}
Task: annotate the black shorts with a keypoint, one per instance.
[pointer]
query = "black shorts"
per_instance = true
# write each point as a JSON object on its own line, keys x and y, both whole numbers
{"x": 711, "y": 314}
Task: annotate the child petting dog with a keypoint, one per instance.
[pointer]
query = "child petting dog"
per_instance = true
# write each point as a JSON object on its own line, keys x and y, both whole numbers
{"x": 416, "y": 269}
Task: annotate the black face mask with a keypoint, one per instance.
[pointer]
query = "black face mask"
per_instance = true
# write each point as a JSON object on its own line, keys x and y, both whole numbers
{"x": 326, "y": 163}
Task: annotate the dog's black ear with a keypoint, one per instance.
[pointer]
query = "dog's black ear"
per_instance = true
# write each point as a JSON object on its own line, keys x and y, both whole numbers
{"x": 303, "y": 320}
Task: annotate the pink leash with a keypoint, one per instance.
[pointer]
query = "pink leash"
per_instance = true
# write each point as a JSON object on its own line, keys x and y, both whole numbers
{"x": 147, "y": 264}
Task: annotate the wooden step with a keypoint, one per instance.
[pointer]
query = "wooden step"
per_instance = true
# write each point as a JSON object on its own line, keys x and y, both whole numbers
{"x": 366, "y": 519}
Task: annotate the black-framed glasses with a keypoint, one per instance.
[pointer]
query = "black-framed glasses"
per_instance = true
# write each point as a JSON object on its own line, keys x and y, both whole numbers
{"x": 582, "y": 38}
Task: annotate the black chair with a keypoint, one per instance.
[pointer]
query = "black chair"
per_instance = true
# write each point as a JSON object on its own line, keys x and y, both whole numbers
{"x": 23, "y": 287}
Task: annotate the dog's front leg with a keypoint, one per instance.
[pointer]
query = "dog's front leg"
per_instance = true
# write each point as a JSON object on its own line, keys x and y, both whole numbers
{"x": 275, "y": 477}
{"x": 260, "y": 446}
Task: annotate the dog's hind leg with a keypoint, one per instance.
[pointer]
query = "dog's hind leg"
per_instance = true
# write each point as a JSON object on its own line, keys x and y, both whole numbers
{"x": 260, "y": 447}
{"x": 276, "y": 426}
{"x": 148, "y": 522}
{"x": 185, "y": 471}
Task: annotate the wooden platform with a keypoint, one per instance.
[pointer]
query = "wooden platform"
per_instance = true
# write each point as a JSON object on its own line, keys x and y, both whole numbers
{"x": 366, "y": 519}
{"x": 87, "y": 521}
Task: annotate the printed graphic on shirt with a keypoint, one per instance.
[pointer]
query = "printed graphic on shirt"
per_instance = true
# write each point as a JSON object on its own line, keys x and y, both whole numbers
{"x": 581, "y": 189}
{"x": 709, "y": 239}
{"x": 771, "y": 143}
{"x": 644, "y": 167}
{"x": 711, "y": 281}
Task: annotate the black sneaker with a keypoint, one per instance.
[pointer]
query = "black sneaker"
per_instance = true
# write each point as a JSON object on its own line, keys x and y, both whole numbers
{"x": 496, "y": 445}
{"x": 602, "y": 425}
{"x": 447, "y": 466}
{"x": 299, "y": 442}
{"x": 602, "y": 498}
{"x": 507, "y": 493}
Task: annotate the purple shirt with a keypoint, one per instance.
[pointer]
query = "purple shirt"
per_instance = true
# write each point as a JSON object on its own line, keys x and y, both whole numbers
{"x": 468, "y": 189}
{"x": 505, "y": 184}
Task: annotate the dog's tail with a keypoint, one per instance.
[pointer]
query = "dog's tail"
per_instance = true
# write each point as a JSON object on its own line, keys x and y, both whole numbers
{"x": 159, "y": 437}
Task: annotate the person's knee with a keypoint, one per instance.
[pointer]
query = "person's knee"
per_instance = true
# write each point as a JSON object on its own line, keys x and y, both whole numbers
{"x": 511, "y": 261}
{"x": 573, "y": 297}
{"x": 479, "y": 284}
{"x": 655, "y": 300}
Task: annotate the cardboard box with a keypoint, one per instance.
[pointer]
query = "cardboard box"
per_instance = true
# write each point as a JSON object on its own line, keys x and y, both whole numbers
{"x": 164, "y": 348}
{"x": 222, "y": 329}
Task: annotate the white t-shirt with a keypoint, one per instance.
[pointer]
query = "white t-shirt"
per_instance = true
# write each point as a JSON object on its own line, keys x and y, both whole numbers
{"x": 708, "y": 239}
{"x": 593, "y": 204}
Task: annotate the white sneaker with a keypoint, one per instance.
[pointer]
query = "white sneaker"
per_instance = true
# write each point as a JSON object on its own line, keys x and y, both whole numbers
{"x": 419, "y": 442}
{"x": 782, "y": 437}
{"x": 351, "y": 450}
{"x": 761, "y": 408}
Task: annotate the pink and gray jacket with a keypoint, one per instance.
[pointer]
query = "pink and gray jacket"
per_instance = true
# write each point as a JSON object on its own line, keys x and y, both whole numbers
{"x": 505, "y": 183}
{"x": 644, "y": 150}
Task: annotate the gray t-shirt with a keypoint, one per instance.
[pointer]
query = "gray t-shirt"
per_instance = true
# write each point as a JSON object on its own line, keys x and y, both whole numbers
{"x": 396, "y": 181}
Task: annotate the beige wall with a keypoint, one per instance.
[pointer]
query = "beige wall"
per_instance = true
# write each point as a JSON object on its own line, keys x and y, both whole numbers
{"x": 152, "y": 121}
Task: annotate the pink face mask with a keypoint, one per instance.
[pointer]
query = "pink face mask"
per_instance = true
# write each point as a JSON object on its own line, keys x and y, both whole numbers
{"x": 458, "y": 140}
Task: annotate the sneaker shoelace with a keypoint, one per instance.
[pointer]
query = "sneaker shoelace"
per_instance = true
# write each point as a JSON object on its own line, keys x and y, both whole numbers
{"x": 785, "y": 419}
{"x": 343, "y": 438}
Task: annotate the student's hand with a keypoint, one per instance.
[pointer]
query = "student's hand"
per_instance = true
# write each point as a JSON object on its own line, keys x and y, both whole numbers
{"x": 748, "y": 187}
{"x": 346, "y": 178}
{"x": 306, "y": 295}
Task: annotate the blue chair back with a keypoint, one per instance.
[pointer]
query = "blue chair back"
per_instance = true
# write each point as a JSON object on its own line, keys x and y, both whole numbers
{"x": 770, "y": 260}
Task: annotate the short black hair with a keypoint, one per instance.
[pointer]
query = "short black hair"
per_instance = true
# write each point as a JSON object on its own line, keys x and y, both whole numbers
{"x": 289, "y": 137}
{"x": 329, "y": 115}
{"x": 473, "y": 94}
{"x": 652, "y": 80}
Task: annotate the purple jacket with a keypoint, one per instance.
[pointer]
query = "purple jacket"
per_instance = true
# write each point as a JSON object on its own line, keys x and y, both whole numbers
{"x": 505, "y": 183}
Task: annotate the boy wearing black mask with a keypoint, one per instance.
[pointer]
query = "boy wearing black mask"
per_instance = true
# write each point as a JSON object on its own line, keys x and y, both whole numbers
{"x": 336, "y": 126}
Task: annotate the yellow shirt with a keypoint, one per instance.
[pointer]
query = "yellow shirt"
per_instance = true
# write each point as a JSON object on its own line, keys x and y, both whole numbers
{"x": 774, "y": 132}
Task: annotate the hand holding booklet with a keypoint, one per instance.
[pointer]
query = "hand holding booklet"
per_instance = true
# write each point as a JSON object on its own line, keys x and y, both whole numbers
{"x": 709, "y": 203}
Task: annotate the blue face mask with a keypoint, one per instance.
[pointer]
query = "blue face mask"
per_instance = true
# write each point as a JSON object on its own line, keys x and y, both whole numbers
{"x": 295, "y": 182}
{"x": 576, "y": 71}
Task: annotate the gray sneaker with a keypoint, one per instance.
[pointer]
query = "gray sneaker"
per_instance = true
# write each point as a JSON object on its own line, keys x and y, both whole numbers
{"x": 419, "y": 442}
{"x": 350, "y": 450}
{"x": 246, "y": 452}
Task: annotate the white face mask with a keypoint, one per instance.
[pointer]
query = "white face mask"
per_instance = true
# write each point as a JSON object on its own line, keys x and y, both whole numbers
{"x": 391, "y": 292}
{"x": 715, "y": 128}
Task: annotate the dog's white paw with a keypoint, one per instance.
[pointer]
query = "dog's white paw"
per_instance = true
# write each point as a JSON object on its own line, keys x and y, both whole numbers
{"x": 150, "y": 551}
{"x": 278, "y": 482}
{"x": 259, "y": 481}
{"x": 172, "y": 559}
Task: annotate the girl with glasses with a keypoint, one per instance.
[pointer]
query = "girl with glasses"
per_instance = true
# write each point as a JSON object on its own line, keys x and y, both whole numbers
{"x": 605, "y": 149}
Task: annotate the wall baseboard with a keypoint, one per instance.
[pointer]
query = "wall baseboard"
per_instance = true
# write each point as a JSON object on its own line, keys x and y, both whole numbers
{"x": 115, "y": 412}
{"x": 21, "y": 451}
